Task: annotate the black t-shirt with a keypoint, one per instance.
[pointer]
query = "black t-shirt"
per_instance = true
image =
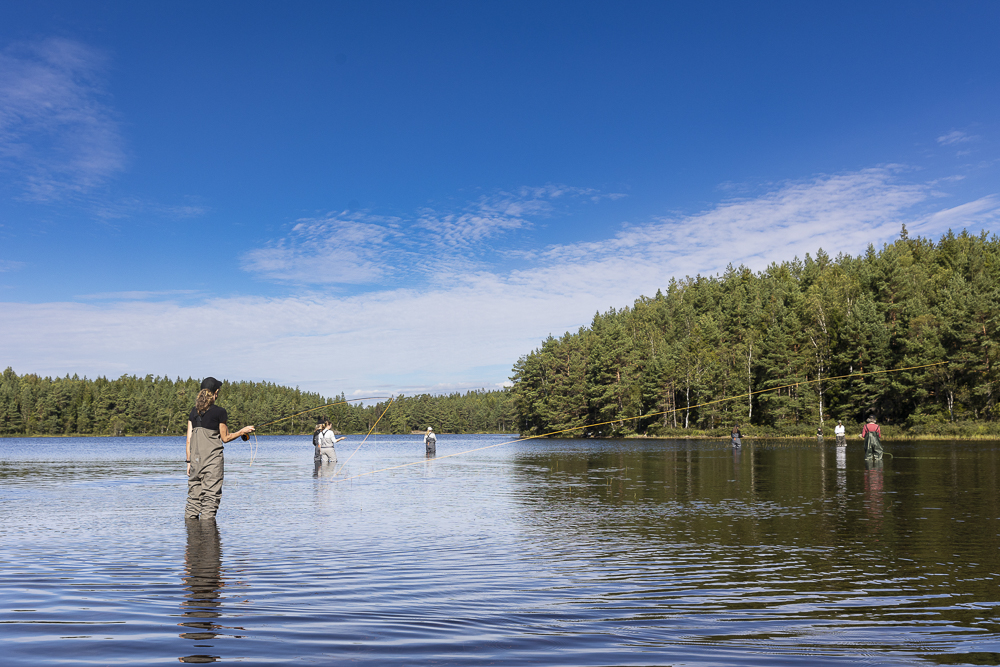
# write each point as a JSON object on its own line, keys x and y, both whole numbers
{"x": 211, "y": 419}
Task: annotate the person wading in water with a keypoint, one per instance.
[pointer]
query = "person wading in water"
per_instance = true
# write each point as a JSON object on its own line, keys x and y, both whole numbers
{"x": 430, "y": 441}
{"x": 872, "y": 435}
{"x": 327, "y": 440}
{"x": 207, "y": 433}
{"x": 316, "y": 432}
{"x": 841, "y": 434}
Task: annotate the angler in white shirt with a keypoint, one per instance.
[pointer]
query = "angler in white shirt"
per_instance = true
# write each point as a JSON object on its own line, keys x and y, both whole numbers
{"x": 327, "y": 439}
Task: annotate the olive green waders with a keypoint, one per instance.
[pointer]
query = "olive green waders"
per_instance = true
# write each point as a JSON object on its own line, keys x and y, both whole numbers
{"x": 873, "y": 445}
{"x": 205, "y": 480}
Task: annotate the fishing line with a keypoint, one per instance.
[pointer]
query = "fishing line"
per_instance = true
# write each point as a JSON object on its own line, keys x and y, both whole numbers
{"x": 254, "y": 448}
{"x": 246, "y": 437}
{"x": 255, "y": 445}
{"x": 366, "y": 437}
{"x": 649, "y": 414}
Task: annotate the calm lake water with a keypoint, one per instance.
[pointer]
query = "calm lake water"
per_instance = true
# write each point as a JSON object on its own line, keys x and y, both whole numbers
{"x": 570, "y": 552}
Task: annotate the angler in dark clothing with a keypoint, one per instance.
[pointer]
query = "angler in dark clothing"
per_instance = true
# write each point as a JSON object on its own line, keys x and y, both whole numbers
{"x": 207, "y": 433}
{"x": 316, "y": 454}
{"x": 736, "y": 436}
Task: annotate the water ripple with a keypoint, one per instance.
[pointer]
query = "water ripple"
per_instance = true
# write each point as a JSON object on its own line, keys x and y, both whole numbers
{"x": 561, "y": 553}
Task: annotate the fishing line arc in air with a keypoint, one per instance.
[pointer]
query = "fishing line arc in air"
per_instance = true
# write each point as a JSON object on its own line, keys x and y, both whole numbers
{"x": 366, "y": 436}
{"x": 255, "y": 447}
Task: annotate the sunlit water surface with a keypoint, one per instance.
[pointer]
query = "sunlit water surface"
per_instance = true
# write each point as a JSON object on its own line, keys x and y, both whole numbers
{"x": 570, "y": 552}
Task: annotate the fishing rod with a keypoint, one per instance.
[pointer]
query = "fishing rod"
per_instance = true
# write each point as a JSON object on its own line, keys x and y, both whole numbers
{"x": 649, "y": 414}
{"x": 246, "y": 436}
{"x": 366, "y": 437}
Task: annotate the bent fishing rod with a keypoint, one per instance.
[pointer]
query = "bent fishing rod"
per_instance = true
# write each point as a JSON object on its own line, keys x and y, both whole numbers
{"x": 246, "y": 436}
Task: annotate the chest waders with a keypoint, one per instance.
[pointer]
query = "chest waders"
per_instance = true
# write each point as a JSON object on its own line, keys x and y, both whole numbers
{"x": 873, "y": 445}
{"x": 205, "y": 480}
{"x": 326, "y": 450}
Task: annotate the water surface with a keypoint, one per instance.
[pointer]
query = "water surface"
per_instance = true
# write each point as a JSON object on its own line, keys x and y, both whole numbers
{"x": 569, "y": 552}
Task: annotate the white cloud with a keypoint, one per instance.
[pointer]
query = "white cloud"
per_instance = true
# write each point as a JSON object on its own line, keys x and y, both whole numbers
{"x": 136, "y": 295}
{"x": 57, "y": 132}
{"x": 360, "y": 248}
{"x": 841, "y": 212}
{"x": 979, "y": 212}
{"x": 338, "y": 248}
{"x": 423, "y": 334}
{"x": 955, "y": 137}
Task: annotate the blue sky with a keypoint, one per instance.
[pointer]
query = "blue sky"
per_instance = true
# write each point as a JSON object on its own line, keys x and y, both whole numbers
{"x": 407, "y": 196}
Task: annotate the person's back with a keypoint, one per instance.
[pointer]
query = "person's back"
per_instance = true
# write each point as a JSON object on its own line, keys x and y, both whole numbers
{"x": 207, "y": 433}
{"x": 872, "y": 435}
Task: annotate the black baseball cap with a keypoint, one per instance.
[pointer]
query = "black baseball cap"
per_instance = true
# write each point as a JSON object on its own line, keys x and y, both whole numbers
{"x": 211, "y": 384}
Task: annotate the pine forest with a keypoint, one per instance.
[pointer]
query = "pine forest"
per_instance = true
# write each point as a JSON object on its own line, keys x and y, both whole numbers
{"x": 129, "y": 405}
{"x": 776, "y": 339}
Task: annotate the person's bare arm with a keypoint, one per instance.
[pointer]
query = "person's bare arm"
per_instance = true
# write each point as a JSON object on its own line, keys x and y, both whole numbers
{"x": 228, "y": 437}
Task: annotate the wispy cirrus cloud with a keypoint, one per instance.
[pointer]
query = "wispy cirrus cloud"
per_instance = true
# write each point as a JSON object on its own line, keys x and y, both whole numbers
{"x": 58, "y": 133}
{"x": 493, "y": 215}
{"x": 137, "y": 295}
{"x": 353, "y": 247}
{"x": 345, "y": 247}
{"x": 839, "y": 211}
{"x": 956, "y": 137}
{"x": 977, "y": 213}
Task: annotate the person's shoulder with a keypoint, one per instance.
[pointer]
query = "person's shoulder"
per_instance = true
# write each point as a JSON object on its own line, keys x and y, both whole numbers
{"x": 219, "y": 411}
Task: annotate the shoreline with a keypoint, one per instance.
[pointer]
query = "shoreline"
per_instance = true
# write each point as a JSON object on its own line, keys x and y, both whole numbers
{"x": 688, "y": 436}
{"x": 182, "y": 435}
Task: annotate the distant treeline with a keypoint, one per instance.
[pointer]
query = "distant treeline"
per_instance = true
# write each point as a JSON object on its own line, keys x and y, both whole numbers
{"x": 708, "y": 338}
{"x": 129, "y": 405}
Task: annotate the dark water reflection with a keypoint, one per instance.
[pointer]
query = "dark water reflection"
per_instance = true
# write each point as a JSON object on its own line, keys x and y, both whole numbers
{"x": 552, "y": 553}
{"x": 811, "y": 547}
{"x": 203, "y": 582}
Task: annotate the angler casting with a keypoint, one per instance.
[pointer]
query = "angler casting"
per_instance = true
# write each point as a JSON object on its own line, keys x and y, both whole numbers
{"x": 207, "y": 433}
